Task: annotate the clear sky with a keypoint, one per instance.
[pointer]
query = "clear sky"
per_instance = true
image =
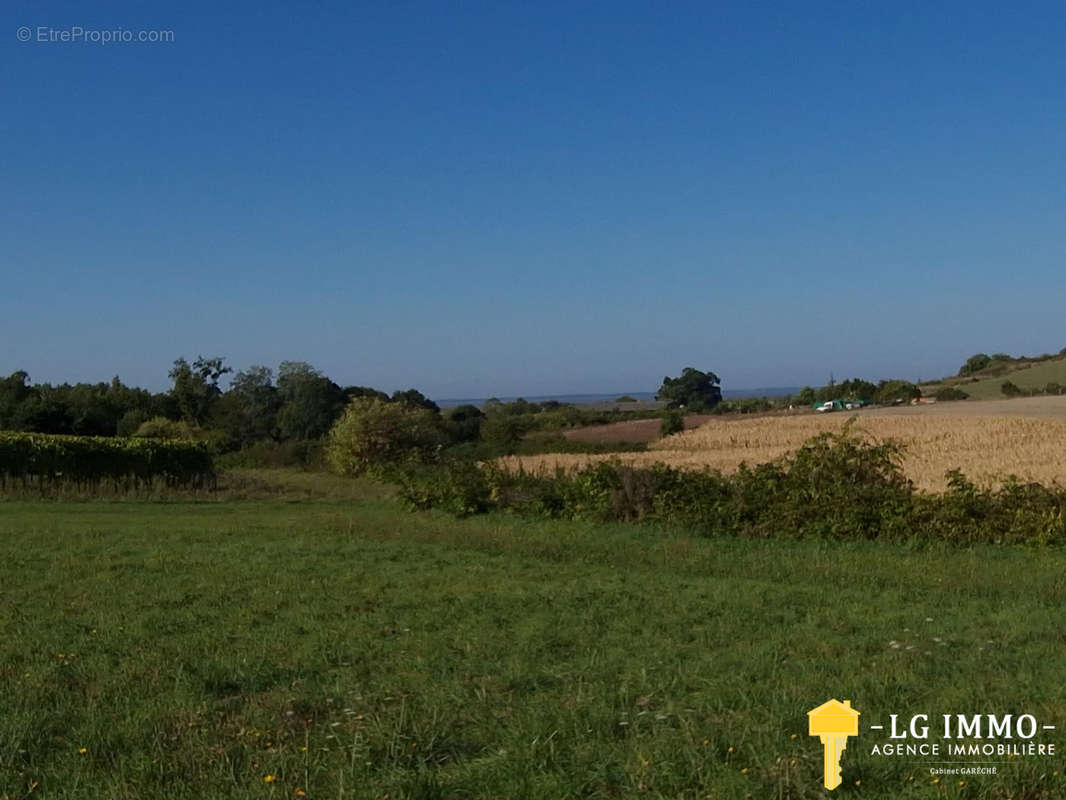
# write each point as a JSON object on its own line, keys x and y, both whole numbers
{"x": 528, "y": 198}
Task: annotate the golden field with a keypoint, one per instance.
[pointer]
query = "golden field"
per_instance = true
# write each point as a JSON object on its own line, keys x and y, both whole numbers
{"x": 985, "y": 448}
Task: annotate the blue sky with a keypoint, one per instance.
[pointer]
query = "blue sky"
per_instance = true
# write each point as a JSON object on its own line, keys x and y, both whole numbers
{"x": 533, "y": 198}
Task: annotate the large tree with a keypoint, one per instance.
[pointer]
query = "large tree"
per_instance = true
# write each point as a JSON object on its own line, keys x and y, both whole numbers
{"x": 310, "y": 402}
{"x": 196, "y": 387}
{"x": 693, "y": 389}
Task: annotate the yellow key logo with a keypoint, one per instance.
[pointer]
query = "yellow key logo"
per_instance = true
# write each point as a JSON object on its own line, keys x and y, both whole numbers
{"x": 833, "y": 722}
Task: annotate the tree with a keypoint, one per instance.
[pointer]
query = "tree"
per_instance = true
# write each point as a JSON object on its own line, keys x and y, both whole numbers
{"x": 310, "y": 402}
{"x": 248, "y": 411}
{"x": 414, "y": 399}
{"x": 975, "y": 363}
{"x": 806, "y": 396}
{"x": 888, "y": 392}
{"x": 693, "y": 389}
{"x": 465, "y": 423}
{"x": 196, "y": 388}
{"x": 373, "y": 436}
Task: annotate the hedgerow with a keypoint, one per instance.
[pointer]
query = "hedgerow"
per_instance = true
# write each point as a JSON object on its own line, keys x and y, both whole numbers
{"x": 49, "y": 461}
{"x": 839, "y": 486}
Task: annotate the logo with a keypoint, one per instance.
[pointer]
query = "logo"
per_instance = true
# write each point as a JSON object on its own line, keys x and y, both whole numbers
{"x": 971, "y": 741}
{"x": 833, "y": 722}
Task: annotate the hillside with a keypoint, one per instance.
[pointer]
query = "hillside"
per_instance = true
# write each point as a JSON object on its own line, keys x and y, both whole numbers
{"x": 986, "y": 386}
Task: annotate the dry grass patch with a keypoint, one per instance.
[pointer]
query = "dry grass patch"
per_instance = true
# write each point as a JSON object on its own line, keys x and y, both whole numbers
{"x": 986, "y": 449}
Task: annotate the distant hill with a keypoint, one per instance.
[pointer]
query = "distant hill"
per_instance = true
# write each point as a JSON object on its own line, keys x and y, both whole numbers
{"x": 1024, "y": 373}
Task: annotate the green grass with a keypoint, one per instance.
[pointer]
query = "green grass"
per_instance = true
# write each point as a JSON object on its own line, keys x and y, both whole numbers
{"x": 1036, "y": 376}
{"x": 352, "y": 650}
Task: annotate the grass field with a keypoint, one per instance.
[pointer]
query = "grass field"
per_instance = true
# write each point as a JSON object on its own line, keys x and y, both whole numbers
{"x": 1035, "y": 376}
{"x": 943, "y": 437}
{"x": 338, "y": 647}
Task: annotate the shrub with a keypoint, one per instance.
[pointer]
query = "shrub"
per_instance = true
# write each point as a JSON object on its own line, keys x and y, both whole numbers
{"x": 948, "y": 393}
{"x": 1010, "y": 389}
{"x": 626, "y": 399}
{"x": 891, "y": 391}
{"x": 673, "y": 422}
{"x": 1053, "y": 388}
{"x": 374, "y": 436}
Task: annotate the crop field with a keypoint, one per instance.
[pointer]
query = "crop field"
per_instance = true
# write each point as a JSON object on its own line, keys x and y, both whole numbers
{"x": 987, "y": 448}
{"x": 321, "y": 645}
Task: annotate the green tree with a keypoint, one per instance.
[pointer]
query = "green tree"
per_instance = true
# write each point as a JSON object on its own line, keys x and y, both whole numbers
{"x": 888, "y": 392}
{"x": 414, "y": 399}
{"x": 310, "y": 402}
{"x": 465, "y": 423}
{"x": 248, "y": 412}
{"x": 373, "y": 436}
{"x": 694, "y": 389}
{"x": 975, "y": 363}
{"x": 805, "y": 396}
{"x": 195, "y": 388}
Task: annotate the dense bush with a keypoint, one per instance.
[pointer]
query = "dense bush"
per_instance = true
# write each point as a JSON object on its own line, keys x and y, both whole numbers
{"x": 673, "y": 422}
{"x": 1010, "y": 389}
{"x": 948, "y": 393}
{"x": 375, "y": 436}
{"x": 841, "y": 486}
{"x": 299, "y": 453}
{"x": 50, "y": 461}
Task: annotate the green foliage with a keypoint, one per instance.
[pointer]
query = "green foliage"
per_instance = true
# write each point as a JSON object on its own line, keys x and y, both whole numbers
{"x": 307, "y": 454}
{"x": 892, "y": 391}
{"x": 694, "y": 390}
{"x": 625, "y": 399}
{"x": 837, "y": 486}
{"x": 673, "y": 422}
{"x": 854, "y": 389}
{"x": 48, "y": 461}
{"x": 163, "y": 428}
{"x": 414, "y": 399}
{"x": 806, "y": 396}
{"x": 195, "y": 388}
{"x": 131, "y": 421}
{"x": 1053, "y": 387}
{"x": 310, "y": 402}
{"x": 502, "y": 431}
{"x": 975, "y": 363}
{"x": 375, "y": 437}
{"x": 464, "y": 423}
{"x": 948, "y": 393}
{"x": 1010, "y": 389}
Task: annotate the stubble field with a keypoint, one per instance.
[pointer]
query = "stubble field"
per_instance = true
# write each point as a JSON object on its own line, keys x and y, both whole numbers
{"x": 987, "y": 441}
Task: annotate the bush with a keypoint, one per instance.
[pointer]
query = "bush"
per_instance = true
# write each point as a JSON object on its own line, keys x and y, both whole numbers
{"x": 891, "y": 391}
{"x": 948, "y": 393}
{"x": 839, "y": 486}
{"x": 299, "y": 453}
{"x": 1010, "y": 389}
{"x": 673, "y": 422}
{"x": 1053, "y": 388}
{"x": 374, "y": 437}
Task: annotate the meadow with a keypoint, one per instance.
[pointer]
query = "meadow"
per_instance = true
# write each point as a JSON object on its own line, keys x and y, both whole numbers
{"x": 983, "y": 442}
{"x": 303, "y": 636}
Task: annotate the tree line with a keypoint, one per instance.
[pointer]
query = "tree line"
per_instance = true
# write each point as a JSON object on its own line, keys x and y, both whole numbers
{"x": 259, "y": 405}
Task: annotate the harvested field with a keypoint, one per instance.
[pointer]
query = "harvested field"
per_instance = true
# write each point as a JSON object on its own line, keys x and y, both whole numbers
{"x": 987, "y": 448}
